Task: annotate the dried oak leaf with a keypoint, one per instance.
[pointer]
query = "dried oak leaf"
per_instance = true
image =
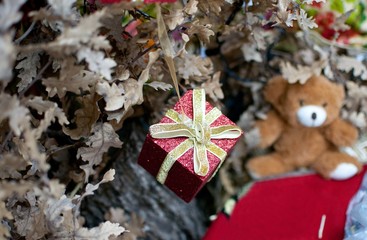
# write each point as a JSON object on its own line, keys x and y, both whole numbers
{"x": 7, "y": 57}
{"x": 11, "y": 109}
{"x": 283, "y": 15}
{"x": 251, "y": 52}
{"x": 102, "y": 139}
{"x": 347, "y": 64}
{"x": 9, "y": 13}
{"x": 116, "y": 215}
{"x": 29, "y": 148}
{"x": 133, "y": 90}
{"x": 358, "y": 119}
{"x": 192, "y": 66}
{"x": 4, "y": 228}
{"x": 73, "y": 78}
{"x": 10, "y": 165}
{"x": 213, "y": 87}
{"x": 7, "y": 190}
{"x": 300, "y": 73}
{"x": 134, "y": 226}
{"x": 29, "y": 218}
{"x": 102, "y": 232}
{"x": 55, "y": 210}
{"x": 112, "y": 94}
{"x": 97, "y": 62}
{"x": 90, "y": 188}
{"x": 305, "y": 21}
{"x": 28, "y": 66}
{"x": 191, "y": 7}
{"x": 356, "y": 91}
{"x": 85, "y": 117}
{"x": 62, "y": 8}
{"x": 159, "y": 85}
{"x": 208, "y": 6}
{"x": 339, "y": 23}
{"x": 72, "y": 38}
{"x": 175, "y": 18}
{"x": 50, "y": 110}
{"x": 202, "y": 31}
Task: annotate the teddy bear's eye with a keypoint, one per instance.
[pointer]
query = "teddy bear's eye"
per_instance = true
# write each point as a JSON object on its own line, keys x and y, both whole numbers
{"x": 301, "y": 102}
{"x": 324, "y": 105}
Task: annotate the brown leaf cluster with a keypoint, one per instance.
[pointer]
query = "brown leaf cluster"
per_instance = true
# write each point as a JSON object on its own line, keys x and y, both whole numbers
{"x": 71, "y": 74}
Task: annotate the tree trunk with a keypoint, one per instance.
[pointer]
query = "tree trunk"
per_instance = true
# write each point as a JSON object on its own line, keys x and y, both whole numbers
{"x": 165, "y": 215}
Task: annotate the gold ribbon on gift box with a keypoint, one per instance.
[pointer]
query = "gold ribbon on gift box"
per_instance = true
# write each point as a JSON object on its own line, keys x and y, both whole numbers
{"x": 199, "y": 134}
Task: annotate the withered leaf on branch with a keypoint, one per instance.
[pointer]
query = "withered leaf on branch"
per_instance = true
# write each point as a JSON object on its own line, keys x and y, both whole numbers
{"x": 102, "y": 232}
{"x": 202, "y": 31}
{"x": 301, "y": 73}
{"x": 90, "y": 188}
{"x": 50, "y": 110}
{"x": 305, "y": 21}
{"x": 62, "y": 8}
{"x": 55, "y": 210}
{"x": 9, "y": 13}
{"x": 175, "y": 18}
{"x": 29, "y": 148}
{"x": 251, "y": 52}
{"x": 191, "y": 7}
{"x": 28, "y": 66}
{"x": 97, "y": 62}
{"x": 134, "y": 225}
{"x": 4, "y": 213}
{"x": 17, "y": 114}
{"x": 282, "y": 15}
{"x": 73, "y": 38}
{"x": 194, "y": 67}
{"x": 10, "y": 165}
{"x": 213, "y": 87}
{"x": 85, "y": 117}
{"x": 7, "y": 57}
{"x": 132, "y": 90}
{"x": 112, "y": 94}
{"x": 102, "y": 139}
{"x": 159, "y": 85}
{"x": 348, "y": 64}
{"x": 73, "y": 78}
{"x": 208, "y": 6}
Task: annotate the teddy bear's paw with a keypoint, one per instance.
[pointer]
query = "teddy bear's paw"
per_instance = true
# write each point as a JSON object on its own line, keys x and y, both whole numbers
{"x": 344, "y": 171}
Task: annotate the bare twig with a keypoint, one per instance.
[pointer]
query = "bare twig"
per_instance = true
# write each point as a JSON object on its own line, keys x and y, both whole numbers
{"x": 25, "y": 34}
{"x": 142, "y": 54}
{"x": 38, "y": 77}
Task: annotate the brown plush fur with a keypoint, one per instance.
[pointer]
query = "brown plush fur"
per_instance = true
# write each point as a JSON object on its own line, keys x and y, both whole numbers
{"x": 298, "y": 146}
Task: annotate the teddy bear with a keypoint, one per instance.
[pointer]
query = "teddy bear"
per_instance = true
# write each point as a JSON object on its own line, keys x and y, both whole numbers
{"x": 305, "y": 130}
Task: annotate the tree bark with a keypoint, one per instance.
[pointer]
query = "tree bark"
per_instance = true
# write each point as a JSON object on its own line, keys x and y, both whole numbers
{"x": 165, "y": 215}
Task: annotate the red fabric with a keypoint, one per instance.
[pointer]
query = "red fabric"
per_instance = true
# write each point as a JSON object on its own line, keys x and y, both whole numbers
{"x": 145, "y": 1}
{"x": 288, "y": 209}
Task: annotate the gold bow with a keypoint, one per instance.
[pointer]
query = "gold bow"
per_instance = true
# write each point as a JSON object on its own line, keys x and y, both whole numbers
{"x": 199, "y": 134}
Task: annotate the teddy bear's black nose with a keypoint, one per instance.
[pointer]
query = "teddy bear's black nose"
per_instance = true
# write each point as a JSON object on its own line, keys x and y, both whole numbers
{"x": 313, "y": 116}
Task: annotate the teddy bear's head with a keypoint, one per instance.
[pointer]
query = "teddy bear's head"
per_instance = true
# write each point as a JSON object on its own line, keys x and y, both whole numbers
{"x": 313, "y": 104}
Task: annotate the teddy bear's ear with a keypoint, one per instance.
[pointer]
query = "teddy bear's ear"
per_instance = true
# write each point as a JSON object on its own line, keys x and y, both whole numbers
{"x": 274, "y": 90}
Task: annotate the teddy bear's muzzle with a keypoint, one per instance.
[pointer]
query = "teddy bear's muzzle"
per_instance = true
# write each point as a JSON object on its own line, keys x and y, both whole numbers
{"x": 311, "y": 116}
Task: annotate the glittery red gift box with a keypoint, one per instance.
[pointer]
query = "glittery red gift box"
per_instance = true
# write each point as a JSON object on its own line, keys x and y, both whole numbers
{"x": 182, "y": 179}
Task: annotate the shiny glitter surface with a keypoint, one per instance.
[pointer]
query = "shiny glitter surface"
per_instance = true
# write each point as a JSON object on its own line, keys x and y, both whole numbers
{"x": 181, "y": 178}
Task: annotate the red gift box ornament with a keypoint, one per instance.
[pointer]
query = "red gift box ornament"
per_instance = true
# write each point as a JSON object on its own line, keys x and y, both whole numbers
{"x": 201, "y": 143}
